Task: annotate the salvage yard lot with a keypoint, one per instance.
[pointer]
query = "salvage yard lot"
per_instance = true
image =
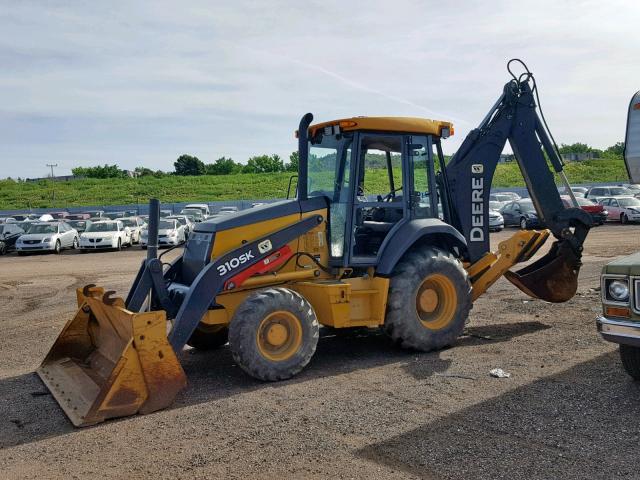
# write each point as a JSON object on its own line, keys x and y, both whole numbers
{"x": 362, "y": 409}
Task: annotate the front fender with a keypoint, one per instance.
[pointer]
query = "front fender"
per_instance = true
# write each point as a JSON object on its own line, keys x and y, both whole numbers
{"x": 396, "y": 244}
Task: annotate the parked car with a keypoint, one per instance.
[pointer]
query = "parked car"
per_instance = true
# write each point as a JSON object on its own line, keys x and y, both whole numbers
{"x": 78, "y": 216}
{"x": 521, "y": 213}
{"x": 598, "y": 213}
{"x": 227, "y": 210}
{"x": 79, "y": 225}
{"x": 185, "y": 222}
{"x": 25, "y": 224}
{"x": 23, "y": 217}
{"x": 577, "y": 191}
{"x": 105, "y": 234}
{"x": 170, "y": 232}
{"x": 496, "y": 205}
{"x": 135, "y": 225}
{"x": 196, "y": 213}
{"x": 9, "y": 234}
{"x": 203, "y": 207}
{"x": 59, "y": 215}
{"x": 114, "y": 215}
{"x": 47, "y": 236}
{"x": 634, "y": 187}
{"x": 97, "y": 214}
{"x": 45, "y": 217}
{"x": 7, "y": 220}
{"x": 624, "y": 209}
{"x": 501, "y": 198}
{"x": 496, "y": 221}
{"x": 596, "y": 193}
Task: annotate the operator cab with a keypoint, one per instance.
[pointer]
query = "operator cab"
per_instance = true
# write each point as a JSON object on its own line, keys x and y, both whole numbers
{"x": 378, "y": 173}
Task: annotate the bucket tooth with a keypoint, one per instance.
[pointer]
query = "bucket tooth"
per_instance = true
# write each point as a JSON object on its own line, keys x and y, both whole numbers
{"x": 109, "y": 362}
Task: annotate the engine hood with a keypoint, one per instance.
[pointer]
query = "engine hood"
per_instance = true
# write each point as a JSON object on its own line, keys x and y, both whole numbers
{"x": 260, "y": 214}
{"x": 629, "y": 265}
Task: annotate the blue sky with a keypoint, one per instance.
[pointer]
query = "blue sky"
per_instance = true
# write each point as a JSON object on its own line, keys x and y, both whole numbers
{"x": 139, "y": 83}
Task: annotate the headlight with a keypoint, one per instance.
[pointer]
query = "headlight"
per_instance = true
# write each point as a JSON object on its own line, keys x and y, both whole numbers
{"x": 619, "y": 290}
{"x": 173, "y": 233}
{"x": 46, "y": 240}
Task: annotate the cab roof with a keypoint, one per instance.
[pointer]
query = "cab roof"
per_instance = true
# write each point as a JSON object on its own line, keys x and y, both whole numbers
{"x": 388, "y": 124}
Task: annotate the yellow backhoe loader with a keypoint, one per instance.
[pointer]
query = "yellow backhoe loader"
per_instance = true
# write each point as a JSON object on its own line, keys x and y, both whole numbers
{"x": 383, "y": 232}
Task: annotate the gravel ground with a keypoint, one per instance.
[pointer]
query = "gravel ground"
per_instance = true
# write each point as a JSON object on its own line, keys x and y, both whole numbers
{"x": 362, "y": 409}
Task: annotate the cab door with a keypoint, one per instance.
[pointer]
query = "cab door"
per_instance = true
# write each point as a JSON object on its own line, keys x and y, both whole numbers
{"x": 379, "y": 201}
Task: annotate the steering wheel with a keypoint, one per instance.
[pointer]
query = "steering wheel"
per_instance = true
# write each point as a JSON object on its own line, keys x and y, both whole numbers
{"x": 391, "y": 194}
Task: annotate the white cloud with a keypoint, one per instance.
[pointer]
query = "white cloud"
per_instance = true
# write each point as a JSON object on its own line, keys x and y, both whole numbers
{"x": 142, "y": 82}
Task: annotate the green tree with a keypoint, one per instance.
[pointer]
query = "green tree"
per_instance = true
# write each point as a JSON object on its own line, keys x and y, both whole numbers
{"x": 106, "y": 171}
{"x": 294, "y": 162}
{"x": 188, "y": 165}
{"x": 223, "y": 166}
{"x": 575, "y": 148}
{"x": 264, "y": 164}
{"x": 616, "y": 150}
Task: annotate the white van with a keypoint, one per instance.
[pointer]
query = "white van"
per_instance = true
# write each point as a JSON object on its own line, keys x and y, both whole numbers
{"x": 203, "y": 207}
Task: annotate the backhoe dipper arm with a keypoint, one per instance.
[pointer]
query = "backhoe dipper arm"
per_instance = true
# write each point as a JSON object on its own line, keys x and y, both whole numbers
{"x": 470, "y": 173}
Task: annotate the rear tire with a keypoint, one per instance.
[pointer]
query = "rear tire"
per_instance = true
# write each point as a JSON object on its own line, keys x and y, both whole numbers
{"x": 630, "y": 357}
{"x": 273, "y": 334}
{"x": 209, "y": 337}
{"x": 429, "y": 300}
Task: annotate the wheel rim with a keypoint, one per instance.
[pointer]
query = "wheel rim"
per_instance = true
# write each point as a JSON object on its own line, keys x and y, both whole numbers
{"x": 523, "y": 224}
{"x": 279, "y": 336}
{"x": 58, "y": 247}
{"x": 436, "y": 302}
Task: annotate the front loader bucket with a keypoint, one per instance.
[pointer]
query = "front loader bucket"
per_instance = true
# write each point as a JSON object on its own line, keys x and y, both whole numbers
{"x": 553, "y": 278}
{"x": 109, "y": 362}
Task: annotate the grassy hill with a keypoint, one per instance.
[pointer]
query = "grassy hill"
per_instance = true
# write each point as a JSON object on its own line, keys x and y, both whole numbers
{"x": 85, "y": 192}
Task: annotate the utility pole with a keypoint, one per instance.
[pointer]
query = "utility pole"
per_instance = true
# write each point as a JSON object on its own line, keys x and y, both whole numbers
{"x": 53, "y": 188}
{"x": 52, "y": 165}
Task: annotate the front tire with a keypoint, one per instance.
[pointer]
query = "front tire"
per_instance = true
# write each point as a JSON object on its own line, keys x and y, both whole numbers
{"x": 630, "y": 357}
{"x": 119, "y": 247}
{"x": 3, "y": 248}
{"x": 624, "y": 219}
{"x": 75, "y": 243}
{"x": 58, "y": 247}
{"x": 429, "y": 300}
{"x": 273, "y": 334}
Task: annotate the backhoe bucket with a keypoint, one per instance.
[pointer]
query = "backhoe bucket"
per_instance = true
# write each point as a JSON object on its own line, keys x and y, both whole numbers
{"x": 109, "y": 362}
{"x": 553, "y": 278}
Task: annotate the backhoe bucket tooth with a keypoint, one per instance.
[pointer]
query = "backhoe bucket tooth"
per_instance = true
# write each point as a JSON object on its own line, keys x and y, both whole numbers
{"x": 553, "y": 278}
{"x": 109, "y": 362}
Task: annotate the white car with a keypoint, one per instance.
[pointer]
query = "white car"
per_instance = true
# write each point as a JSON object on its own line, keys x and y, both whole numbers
{"x": 170, "y": 232}
{"x": 105, "y": 234}
{"x": 203, "y": 207}
{"x": 135, "y": 225}
{"x": 47, "y": 236}
{"x": 227, "y": 210}
{"x": 496, "y": 220}
{"x": 597, "y": 193}
{"x": 624, "y": 209}
{"x": 185, "y": 222}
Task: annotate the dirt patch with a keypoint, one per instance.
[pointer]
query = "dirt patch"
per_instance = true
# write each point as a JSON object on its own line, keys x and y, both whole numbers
{"x": 362, "y": 409}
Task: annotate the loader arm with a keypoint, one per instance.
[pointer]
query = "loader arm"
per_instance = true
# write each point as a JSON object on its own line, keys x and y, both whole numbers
{"x": 470, "y": 172}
